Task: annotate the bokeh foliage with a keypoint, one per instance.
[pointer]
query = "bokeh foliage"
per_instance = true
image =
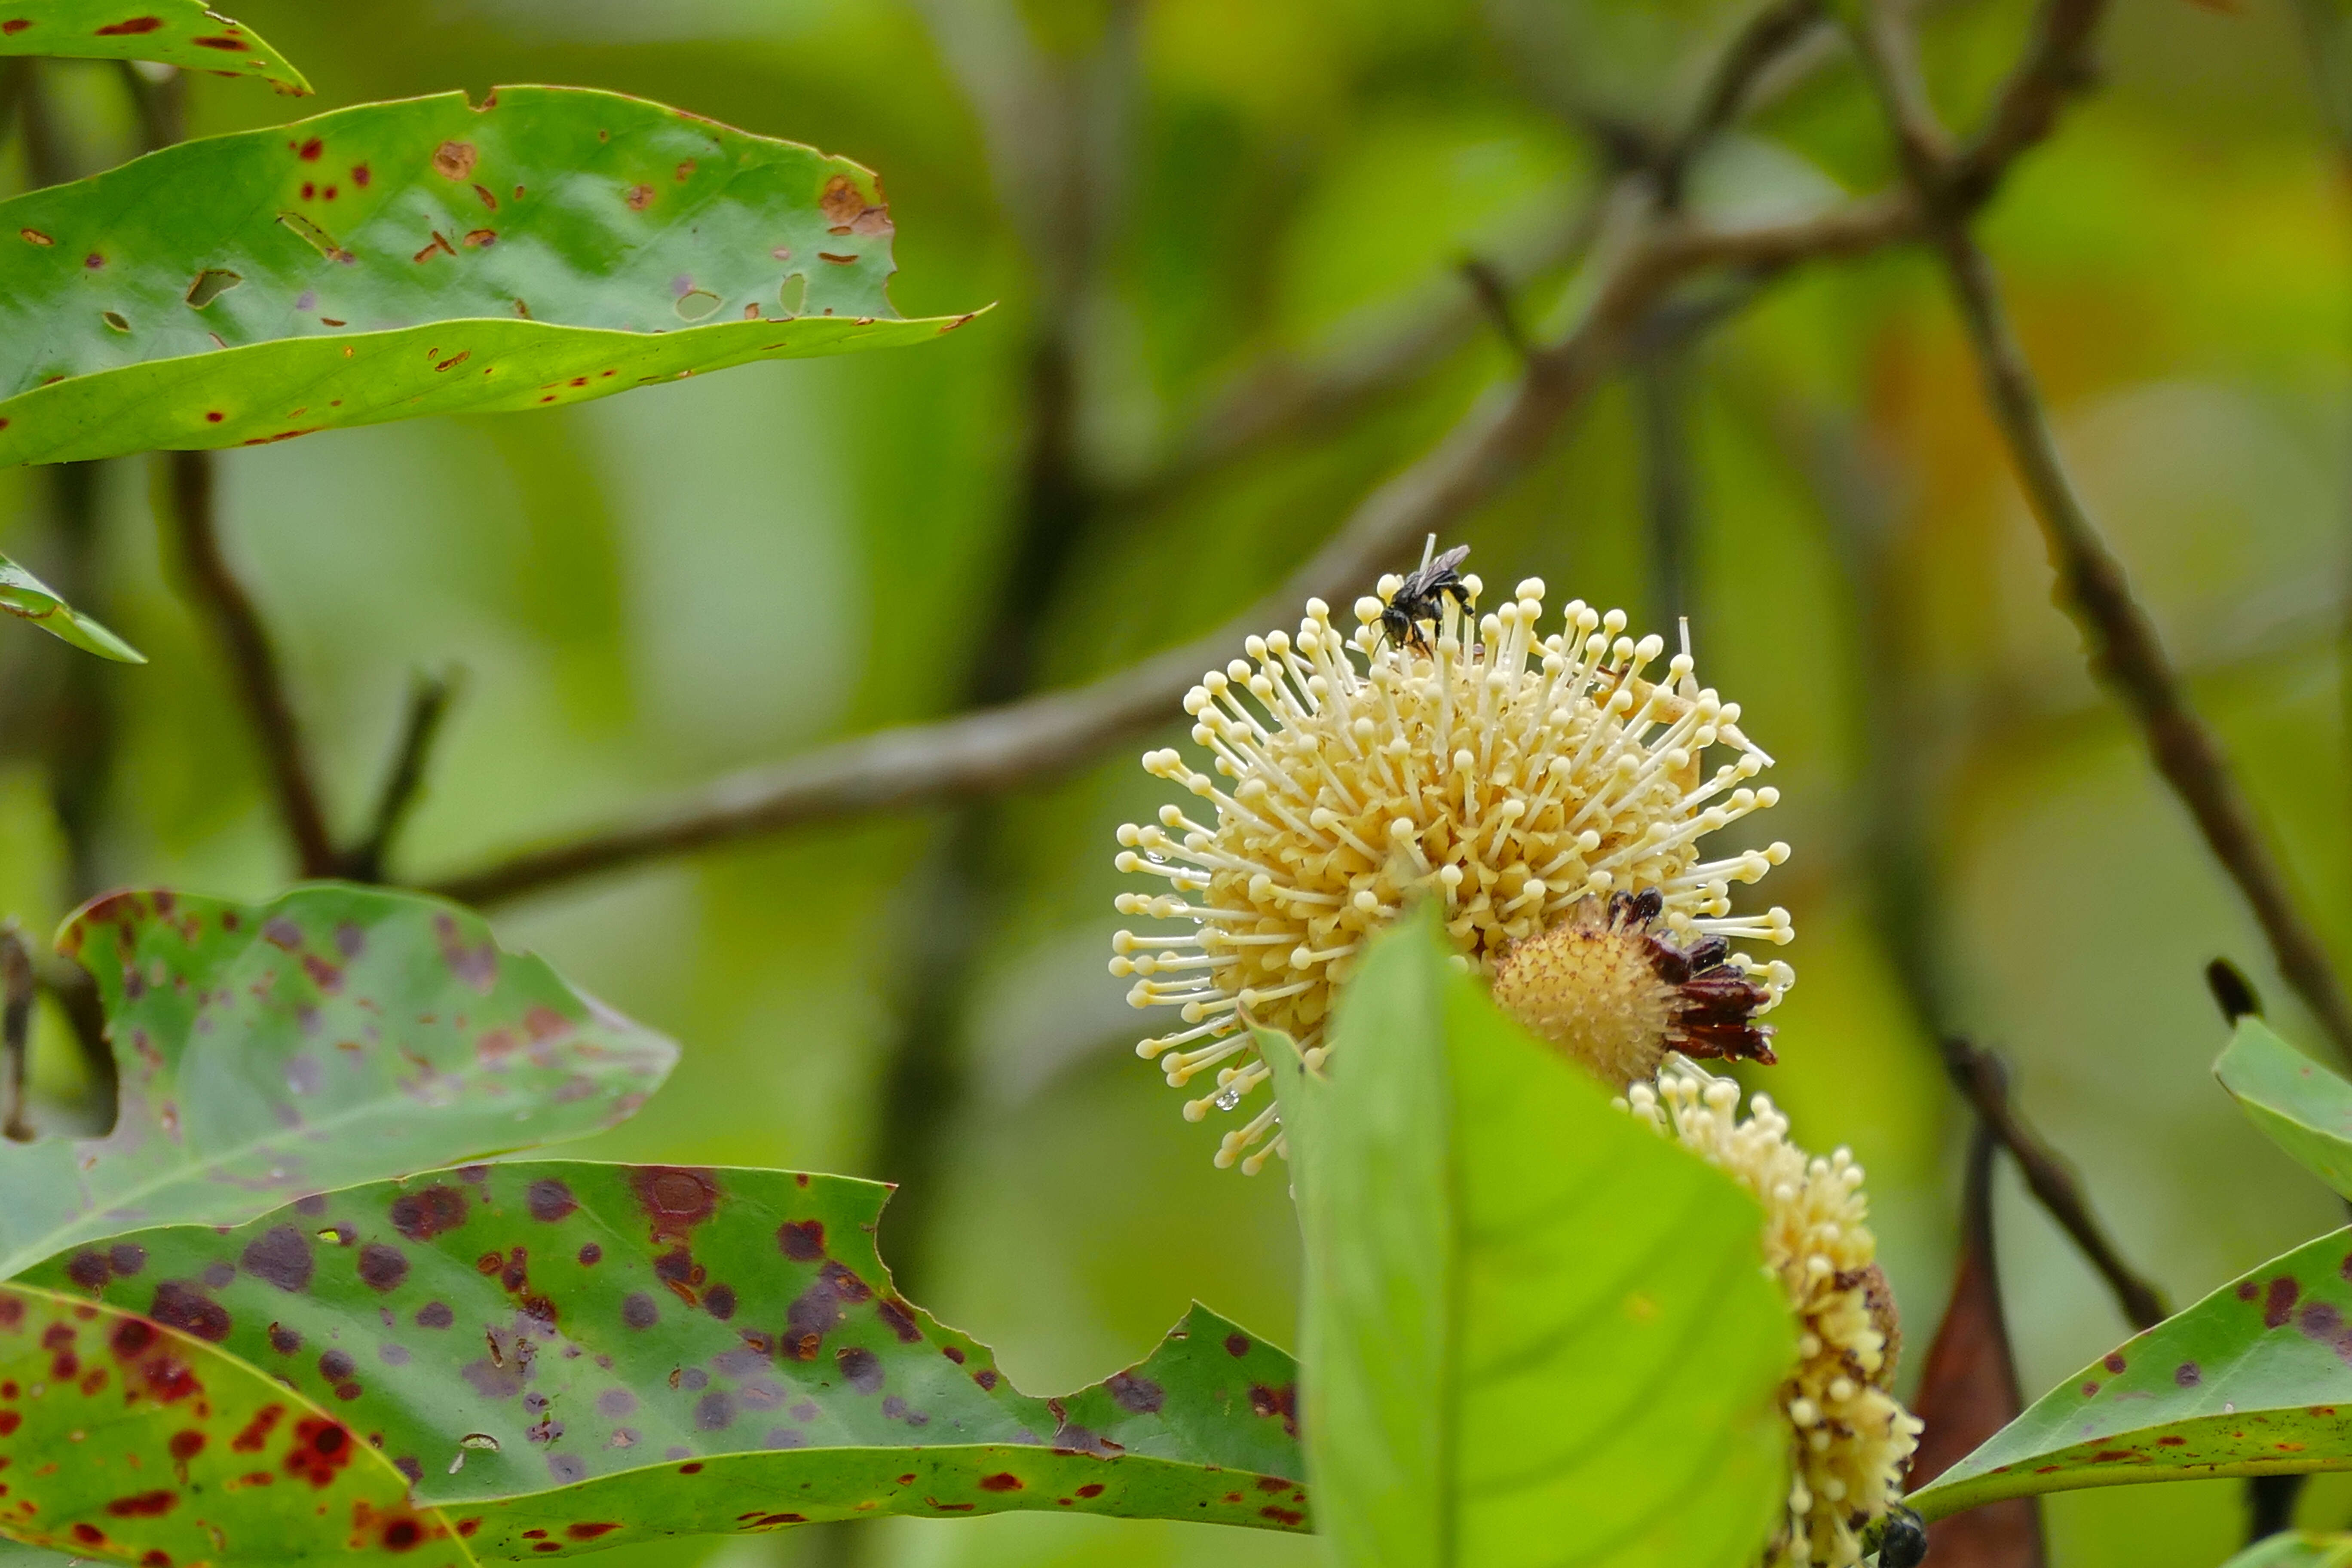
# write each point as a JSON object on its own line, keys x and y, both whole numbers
{"x": 691, "y": 577}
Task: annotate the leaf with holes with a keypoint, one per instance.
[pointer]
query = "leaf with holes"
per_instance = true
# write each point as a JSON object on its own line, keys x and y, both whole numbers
{"x": 2296, "y": 1549}
{"x": 2299, "y": 1105}
{"x": 126, "y": 1440}
{"x": 335, "y": 1035}
{"x": 1535, "y": 1331}
{"x": 176, "y": 32}
{"x": 29, "y": 598}
{"x": 426, "y": 257}
{"x": 568, "y": 1355}
{"x": 2254, "y": 1380}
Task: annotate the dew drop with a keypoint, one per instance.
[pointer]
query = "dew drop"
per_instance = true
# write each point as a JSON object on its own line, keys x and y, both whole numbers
{"x": 1229, "y": 1097}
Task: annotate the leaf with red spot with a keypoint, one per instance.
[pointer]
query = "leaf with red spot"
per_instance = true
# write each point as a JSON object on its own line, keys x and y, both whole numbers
{"x": 183, "y": 33}
{"x": 2298, "y": 1104}
{"x": 1536, "y": 1332}
{"x": 574, "y": 1355}
{"x": 334, "y": 1035}
{"x": 2254, "y": 1380}
{"x": 392, "y": 260}
{"x": 29, "y": 598}
{"x": 123, "y": 1439}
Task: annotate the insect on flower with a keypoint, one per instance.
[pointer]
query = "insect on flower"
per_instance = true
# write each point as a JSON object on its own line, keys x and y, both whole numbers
{"x": 1421, "y": 597}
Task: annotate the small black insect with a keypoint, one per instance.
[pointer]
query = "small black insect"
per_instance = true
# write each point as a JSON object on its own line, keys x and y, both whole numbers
{"x": 1904, "y": 1542}
{"x": 1422, "y": 596}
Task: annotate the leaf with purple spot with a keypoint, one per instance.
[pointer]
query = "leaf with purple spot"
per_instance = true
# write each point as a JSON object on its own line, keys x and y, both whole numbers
{"x": 332, "y": 1035}
{"x": 564, "y": 1356}
{"x": 2254, "y": 1380}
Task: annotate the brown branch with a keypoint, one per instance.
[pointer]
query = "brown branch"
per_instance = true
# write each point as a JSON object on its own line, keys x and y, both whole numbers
{"x": 997, "y": 748}
{"x": 986, "y": 752}
{"x": 1984, "y": 1082}
{"x": 2056, "y": 66}
{"x": 2121, "y": 638}
{"x": 429, "y": 700}
{"x": 16, "y": 1030}
{"x": 252, "y": 658}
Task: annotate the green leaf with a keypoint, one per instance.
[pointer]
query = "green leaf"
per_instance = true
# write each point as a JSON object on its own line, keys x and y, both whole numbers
{"x": 425, "y": 256}
{"x": 2251, "y": 1381}
{"x": 1535, "y": 1331}
{"x": 603, "y": 1354}
{"x": 29, "y": 598}
{"x": 175, "y": 32}
{"x": 2296, "y": 1549}
{"x": 123, "y": 1440}
{"x": 2299, "y": 1105}
{"x": 333, "y": 1036}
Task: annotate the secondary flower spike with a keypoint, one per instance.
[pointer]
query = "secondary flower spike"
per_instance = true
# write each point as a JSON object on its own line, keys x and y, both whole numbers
{"x": 1524, "y": 780}
{"x": 1849, "y": 1441}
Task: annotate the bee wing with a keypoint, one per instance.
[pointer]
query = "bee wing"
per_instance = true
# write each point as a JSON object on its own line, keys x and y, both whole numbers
{"x": 1448, "y": 562}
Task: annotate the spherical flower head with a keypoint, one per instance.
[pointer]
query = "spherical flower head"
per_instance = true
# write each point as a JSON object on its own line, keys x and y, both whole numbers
{"x": 1849, "y": 1440}
{"x": 1513, "y": 776}
{"x": 1615, "y": 994}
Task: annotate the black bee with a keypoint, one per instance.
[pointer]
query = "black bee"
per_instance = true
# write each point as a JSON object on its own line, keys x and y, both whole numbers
{"x": 1422, "y": 596}
{"x": 1904, "y": 1542}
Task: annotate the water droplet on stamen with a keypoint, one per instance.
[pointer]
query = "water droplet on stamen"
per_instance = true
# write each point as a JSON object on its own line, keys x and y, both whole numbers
{"x": 1228, "y": 1097}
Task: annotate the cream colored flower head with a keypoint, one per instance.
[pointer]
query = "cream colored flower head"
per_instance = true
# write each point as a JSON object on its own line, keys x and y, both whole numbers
{"x": 1849, "y": 1441}
{"x": 1523, "y": 779}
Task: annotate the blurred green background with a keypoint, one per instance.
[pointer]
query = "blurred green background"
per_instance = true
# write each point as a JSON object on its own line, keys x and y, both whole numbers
{"x": 1162, "y": 196}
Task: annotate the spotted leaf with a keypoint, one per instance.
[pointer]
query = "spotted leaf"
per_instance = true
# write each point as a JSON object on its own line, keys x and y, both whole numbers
{"x": 176, "y": 32}
{"x": 29, "y": 598}
{"x": 335, "y": 1035}
{"x": 2299, "y": 1105}
{"x": 1536, "y": 1332}
{"x": 123, "y": 1439}
{"x": 2254, "y": 1380}
{"x": 548, "y": 246}
{"x": 564, "y": 1356}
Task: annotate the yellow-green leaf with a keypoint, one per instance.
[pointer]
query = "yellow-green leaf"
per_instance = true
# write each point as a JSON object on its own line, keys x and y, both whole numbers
{"x": 1535, "y": 1332}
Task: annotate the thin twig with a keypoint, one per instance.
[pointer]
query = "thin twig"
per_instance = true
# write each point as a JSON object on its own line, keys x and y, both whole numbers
{"x": 1493, "y": 292}
{"x": 16, "y": 1030}
{"x": 429, "y": 699}
{"x": 1983, "y": 1081}
{"x": 2125, "y": 649}
{"x": 1285, "y": 397}
{"x": 252, "y": 658}
{"x": 1764, "y": 37}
